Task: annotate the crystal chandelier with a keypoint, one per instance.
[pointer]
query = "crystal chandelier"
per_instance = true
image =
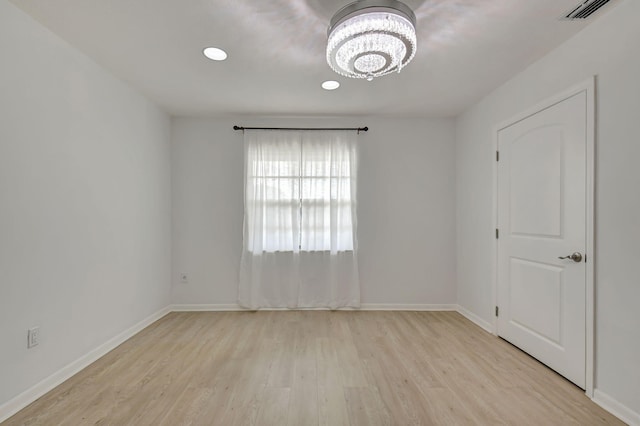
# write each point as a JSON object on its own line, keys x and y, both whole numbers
{"x": 371, "y": 38}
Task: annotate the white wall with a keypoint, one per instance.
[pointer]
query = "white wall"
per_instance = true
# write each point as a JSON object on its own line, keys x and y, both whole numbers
{"x": 608, "y": 48}
{"x": 406, "y": 208}
{"x": 84, "y": 204}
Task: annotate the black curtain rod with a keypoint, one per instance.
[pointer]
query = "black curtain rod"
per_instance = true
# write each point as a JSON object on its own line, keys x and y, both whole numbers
{"x": 357, "y": 129}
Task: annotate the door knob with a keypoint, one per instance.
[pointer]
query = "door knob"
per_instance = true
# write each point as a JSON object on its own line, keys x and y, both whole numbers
{"x": 576, "y": 257}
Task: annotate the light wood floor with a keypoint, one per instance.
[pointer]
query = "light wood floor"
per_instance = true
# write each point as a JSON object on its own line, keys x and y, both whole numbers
{"x": 314, "y": 368}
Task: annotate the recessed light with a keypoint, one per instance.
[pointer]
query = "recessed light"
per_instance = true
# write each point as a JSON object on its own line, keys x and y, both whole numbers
{"x": 330, "y": 85}
{"x": 215, "y": 54}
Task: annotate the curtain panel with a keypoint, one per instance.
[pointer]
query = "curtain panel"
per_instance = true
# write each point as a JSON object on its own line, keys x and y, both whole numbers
{"x": 300, "y": 221}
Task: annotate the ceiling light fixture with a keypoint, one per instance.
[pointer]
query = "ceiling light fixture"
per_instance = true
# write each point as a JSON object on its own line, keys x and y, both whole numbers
{"x": 330, "y": 85}
{"x": 371, "y": 38}
{"x": 215, "y": 54}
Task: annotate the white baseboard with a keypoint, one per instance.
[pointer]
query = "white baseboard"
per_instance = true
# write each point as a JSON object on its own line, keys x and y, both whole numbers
{"x": 214, "y": 307}
{"x": 616, "y": 408}
{"x": 487, "y": 326}
{"x": 17, "y": 403}
{"x": 206, "y": 307}
{"x": 406, "y": 307}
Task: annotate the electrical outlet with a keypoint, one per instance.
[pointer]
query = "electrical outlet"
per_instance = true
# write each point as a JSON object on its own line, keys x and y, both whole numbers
{"x": 184, "y": 278}
{"x": 33, "y": 337}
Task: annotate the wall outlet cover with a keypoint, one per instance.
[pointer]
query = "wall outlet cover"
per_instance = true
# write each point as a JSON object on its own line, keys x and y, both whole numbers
{"x": 33, "y": 337}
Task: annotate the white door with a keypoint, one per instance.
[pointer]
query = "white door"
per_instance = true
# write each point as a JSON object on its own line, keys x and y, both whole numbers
{"x": 542, "y": 190}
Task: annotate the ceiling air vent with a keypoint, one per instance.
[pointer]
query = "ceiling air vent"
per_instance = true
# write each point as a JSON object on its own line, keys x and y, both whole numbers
{"x": 585, "y": 9}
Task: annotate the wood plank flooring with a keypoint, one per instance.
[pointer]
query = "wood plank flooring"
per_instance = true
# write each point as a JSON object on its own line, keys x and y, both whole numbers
{"x": 315, "y": 368}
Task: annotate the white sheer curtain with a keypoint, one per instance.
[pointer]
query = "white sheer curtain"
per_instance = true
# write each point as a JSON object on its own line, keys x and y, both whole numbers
{"x": 300, "y": 243}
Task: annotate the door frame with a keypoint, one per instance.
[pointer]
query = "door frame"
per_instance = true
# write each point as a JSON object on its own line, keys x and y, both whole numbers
{"x": 589, "y": 87}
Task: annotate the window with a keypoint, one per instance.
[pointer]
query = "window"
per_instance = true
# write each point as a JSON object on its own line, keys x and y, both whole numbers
{"x": 300, "y": 191}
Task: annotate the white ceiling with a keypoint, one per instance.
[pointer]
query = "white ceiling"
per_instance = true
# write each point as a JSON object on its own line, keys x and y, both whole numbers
{"x": 276, "y": 64}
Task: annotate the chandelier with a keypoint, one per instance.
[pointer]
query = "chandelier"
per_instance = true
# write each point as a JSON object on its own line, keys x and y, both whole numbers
{"x": 371, "y": 38}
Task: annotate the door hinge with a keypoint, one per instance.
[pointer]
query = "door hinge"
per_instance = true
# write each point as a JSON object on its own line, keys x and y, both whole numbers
{"x": 497, "y": 155}
{"x": 497, "y": 233}
{"x": 497, "y": 311}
